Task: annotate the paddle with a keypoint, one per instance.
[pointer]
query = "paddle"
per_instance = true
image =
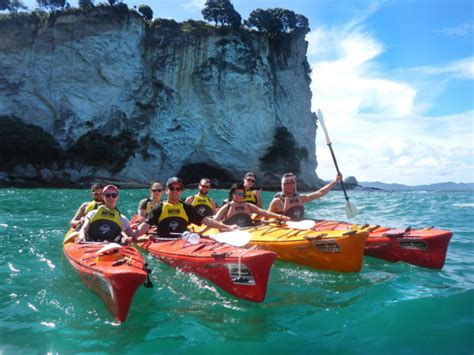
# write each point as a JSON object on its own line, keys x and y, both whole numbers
{"x": 304, "y": 225}
{"x": 351, "y": 210}
{"x": 234, "y": 238}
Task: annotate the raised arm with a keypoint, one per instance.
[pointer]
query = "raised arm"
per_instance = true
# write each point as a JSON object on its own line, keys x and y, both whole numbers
{"x": 322, "y": 191}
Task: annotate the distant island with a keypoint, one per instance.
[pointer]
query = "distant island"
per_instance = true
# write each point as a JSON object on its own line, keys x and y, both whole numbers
{"x": 443, "y": 186}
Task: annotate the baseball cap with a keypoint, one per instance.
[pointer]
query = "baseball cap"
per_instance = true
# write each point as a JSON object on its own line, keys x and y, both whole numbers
{"x": 110, "y": 187}
{"x": 173, "y": 180}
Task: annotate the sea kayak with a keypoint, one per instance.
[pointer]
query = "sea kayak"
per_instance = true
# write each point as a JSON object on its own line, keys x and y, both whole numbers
{"x": 241, "y": 272}
{"x": 422, "y": 247}
{"x": 113, "y": 275}
{"x": 341, "y": 251}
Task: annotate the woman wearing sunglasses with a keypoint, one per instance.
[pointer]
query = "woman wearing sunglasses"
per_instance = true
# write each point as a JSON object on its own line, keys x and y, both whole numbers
{"x": 239, "y": 212}
{"x": 146, "y": 205}
{"x": 106, "y": 223}
{"x": 251, "y": 195}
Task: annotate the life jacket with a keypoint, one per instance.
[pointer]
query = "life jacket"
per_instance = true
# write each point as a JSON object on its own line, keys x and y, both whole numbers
{"x": 203, "y": 205}
{"x": 173, "y": 219}
{"x": 93, "y": 205}
{"x": 250, "y": 197}
{"x": 149, "y": 205}
{"x": 238, "y": 214}
{"x": 105, "y": 225}
{"x": 292, "y": 207}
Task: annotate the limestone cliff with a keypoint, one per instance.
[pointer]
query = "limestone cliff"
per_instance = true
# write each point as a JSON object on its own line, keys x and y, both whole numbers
{"x": 192, "y": 95}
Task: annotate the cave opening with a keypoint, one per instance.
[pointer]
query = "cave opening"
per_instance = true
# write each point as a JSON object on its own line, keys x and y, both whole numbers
{"x": 192, "y": 173}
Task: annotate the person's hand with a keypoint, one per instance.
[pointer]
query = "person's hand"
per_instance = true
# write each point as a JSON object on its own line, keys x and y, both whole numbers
{"x": 285, "y": 218}
{"x": 126, "y": 240}
{"x": 233, "y": 227}
{"x": 338, "y": 177}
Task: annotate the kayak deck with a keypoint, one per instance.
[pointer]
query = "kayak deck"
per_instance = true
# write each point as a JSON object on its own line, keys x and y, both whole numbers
{"x": 241, "y": 272}
{"x": 114, "y": 276}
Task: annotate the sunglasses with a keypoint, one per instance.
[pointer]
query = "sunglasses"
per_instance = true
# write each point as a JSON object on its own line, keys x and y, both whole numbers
{"x": 239, "y": 193}
{"x": 175, "y": 188}
{"x": 110, "y": 195}
{"x": 251, "y": 180}
{"x": 156, "y": 190}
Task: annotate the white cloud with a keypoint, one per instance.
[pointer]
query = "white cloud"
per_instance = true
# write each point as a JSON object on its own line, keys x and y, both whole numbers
{"x": 194, "y": 5}
{"x": 463, "y": 30}
{"x": 378, "y": 130}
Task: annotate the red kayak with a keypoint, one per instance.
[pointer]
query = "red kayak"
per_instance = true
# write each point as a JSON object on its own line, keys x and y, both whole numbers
{"x": 113, "y": 275}
{"x": 241, "y": 272}
{"x": 422, "y": 247}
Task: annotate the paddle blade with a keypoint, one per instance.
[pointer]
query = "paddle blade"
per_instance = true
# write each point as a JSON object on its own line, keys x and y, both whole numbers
{"x": 191, "y": 238}
{"x": 109, "y": 248}
{"x": 323, "y": 126}
{"x": 351, "y": 210}
{"x": 304, "y": 225}
{"x": 236, "y": 239}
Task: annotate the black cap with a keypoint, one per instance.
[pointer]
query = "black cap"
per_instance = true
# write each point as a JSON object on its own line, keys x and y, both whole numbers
{"x": 173, "y": 180}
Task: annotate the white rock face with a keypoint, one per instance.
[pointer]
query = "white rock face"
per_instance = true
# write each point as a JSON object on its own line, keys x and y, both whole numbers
{"x": 189, "y": 95}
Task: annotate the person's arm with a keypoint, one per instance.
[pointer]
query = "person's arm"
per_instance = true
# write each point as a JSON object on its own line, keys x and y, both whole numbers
{"x": 322, "y": 191}
{"x": 276, "y": 206}
{"x": 76, "y": 220}
{"x": 141, "y": 211}
{"x": 189, "y": 199}
{"x": 214, "y": 207}
{"x": 85, "y": 227}
{"x": 216, "y": 224}
{"x": 219, "y": 216}
{"x": 141, "y": 229}
{"x": 267, "y": 214}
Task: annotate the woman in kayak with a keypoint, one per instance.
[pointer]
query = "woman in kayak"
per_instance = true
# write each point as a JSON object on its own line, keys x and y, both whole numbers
{"x": 106, "y": 223}
{"x": 239, "y": 212}
{"x": 251, "y": 195}
{"x": 289, "y": 203}
{"x": 146, "y": 205}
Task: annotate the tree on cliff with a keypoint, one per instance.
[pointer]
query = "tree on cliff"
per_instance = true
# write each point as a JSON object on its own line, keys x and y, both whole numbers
{"x": 86, "y": 4}
{"x": 276, "y": 21}
{"x": 221, "y": 11}
{"x": 146, "y": 12}
{"x": 11, "y": 5}
{"x": 51, "y": 4}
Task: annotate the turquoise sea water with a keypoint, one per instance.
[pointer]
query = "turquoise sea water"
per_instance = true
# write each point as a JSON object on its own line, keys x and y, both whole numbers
{"x": 386, "y": 308}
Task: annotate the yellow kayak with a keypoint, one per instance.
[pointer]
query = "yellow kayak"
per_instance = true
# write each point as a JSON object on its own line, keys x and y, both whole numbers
{"x": 338, "y": 250}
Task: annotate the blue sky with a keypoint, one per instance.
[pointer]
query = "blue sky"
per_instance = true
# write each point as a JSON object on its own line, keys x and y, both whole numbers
{"x": 394, "y": 80}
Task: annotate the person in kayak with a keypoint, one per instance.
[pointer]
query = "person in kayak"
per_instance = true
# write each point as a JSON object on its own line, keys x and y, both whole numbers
{"x": 106, "y": 223}
{"x": 202, "y": 202}
{"x": 251, "y": 195}
{"x": 289, "y": 203}
{"x": 146, "y": 205}
{"x": 86, "y": 207}
{"x": 172, "y": 216}
{"x": 239, "y": 212}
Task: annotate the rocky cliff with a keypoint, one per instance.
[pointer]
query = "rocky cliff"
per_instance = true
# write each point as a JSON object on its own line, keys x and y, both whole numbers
{"x": 198, "y": 100}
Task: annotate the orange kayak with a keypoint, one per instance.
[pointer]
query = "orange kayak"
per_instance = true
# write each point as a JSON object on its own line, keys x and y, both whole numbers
{"x": 114, "y": 276}
{"x": 329, "y": 250}
{"x": 422, "y": 247}
{"x": 241, "y": 272}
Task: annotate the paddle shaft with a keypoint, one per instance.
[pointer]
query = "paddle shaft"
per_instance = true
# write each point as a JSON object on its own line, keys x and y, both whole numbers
{"x": 338, "y": 172}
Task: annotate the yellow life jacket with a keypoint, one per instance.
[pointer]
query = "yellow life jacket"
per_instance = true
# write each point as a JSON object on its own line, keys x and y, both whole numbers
{"x": 173, "y": 219}
{"x": 106, "y": 224}
{"x": 203, "y": 205}
{"x": 92, "y": 206}
{"x": 149, "y": 206}
{"x": 250, "y": 196}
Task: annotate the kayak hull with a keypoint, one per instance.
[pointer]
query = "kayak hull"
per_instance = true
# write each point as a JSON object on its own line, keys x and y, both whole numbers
{"x": 115, "y": 285}
{"x": 241, "y": 272}
{"x": 335, "y": 251}
{"x": 421, "y": 247}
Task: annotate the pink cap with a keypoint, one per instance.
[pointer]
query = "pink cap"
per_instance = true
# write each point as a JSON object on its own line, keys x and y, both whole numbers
{"x": 110, "y": 187}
